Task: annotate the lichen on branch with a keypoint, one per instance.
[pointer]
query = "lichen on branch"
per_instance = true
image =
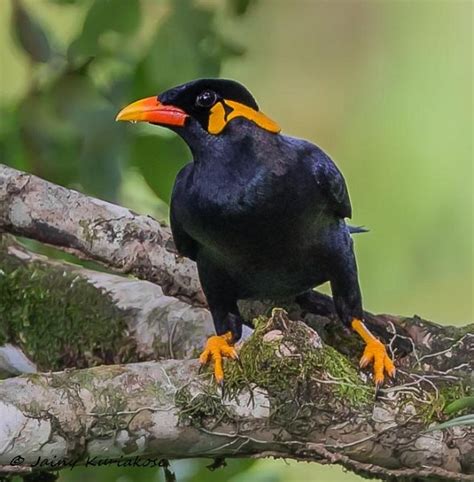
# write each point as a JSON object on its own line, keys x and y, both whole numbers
{"x": 296, "y": 393}
{"x": 170, "y": 410}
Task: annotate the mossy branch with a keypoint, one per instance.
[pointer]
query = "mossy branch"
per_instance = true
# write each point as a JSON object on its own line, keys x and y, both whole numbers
{"x": 96, "y": 230}
{"x": 56, "y": 315}
{"x": 318, "y": 408}
{"x": 294, "y": 396}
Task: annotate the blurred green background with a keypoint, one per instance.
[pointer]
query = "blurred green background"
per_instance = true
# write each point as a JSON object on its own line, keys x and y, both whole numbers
{"x": 384, "y": 86}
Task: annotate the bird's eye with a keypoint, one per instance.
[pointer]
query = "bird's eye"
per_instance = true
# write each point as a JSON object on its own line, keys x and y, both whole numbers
{"x": 206, "y": 98}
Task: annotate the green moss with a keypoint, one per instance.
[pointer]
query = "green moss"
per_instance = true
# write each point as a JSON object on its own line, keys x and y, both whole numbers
{"x": 58, "y": 318}
{"x": 457, "y": 332}
{"x": 298, "y": 377}
{"x": 447, "y": 393}
{"x": 38, "y": 379}
{"x": 263, "y": 364}
{"x": 350, "y": 386}
{"x": 87, "y": 232}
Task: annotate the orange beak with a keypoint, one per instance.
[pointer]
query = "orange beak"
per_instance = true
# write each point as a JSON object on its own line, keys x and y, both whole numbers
{"x": 152, "y": 110}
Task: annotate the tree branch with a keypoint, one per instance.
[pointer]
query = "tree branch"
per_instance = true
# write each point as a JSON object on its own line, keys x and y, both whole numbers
{"x": 317, "y": 408}
{"x": 120, "y": 239}
{"x": 96, "y": 230}
{"x": 150, "y": 325}
{"x": 169, "y": 410}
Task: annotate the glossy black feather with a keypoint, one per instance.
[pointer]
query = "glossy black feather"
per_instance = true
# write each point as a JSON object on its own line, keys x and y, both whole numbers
{"x": 330, "y": 180}
{"x": 262, "y": 214}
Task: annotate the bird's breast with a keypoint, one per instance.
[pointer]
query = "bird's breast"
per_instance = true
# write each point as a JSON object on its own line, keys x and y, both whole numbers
{"x": 234, "y": 211}
{"x": 264, "y": 229}
{"x": 252, "y": 233}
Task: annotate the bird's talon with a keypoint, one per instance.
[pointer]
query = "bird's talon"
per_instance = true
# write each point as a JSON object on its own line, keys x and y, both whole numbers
{"x": 376, "y": 353}
{"x": 364, "y": 361}
{"x": 377, "y": 391}
{"x": 217, "y": 348}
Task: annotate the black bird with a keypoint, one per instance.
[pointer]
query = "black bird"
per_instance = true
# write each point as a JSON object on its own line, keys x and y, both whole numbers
{"x": 261, "y": 213}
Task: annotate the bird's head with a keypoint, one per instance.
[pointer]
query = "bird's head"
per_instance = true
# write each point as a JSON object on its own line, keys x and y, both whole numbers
{"x": 206, "y": 105}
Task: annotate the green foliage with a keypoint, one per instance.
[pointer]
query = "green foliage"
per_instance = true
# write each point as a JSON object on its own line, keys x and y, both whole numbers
{"x": 105, "y": 16}
{"x": 460, "y": 404}
{"x": 464, "y": 420}
{"x": 185, "y": 46}
{"x": 63, "y": 127}
{"x": 447, "y": 394}
{"x": 239, "y": 7}
{"x": 30, "y": 35}
{"x": 451, "y": 401}
{"x": 159, "y": 159}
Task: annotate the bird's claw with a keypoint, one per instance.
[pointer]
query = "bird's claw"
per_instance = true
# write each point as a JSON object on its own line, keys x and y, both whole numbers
{"x": 217, "y": 348}
{"x": 376, "y": 353}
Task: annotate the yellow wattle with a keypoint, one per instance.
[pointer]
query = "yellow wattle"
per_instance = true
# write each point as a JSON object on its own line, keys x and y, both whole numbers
{"x": 218, "y": 120}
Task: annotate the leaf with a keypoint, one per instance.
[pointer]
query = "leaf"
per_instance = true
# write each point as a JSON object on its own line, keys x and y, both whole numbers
{"x": 30, "y": 34}
{"x": 240, "y": 7}
{"x": 176, "y": 55}
{"x": 460, "y": 404}
{"x": 99, "y": 161}
{"x": 116, "y": 15}
{"x": 186, "y": 46}
{"x": 121, "y": 16}
{"x": 455, "y": 422}
{"x": 230, "y": 49}
{"x": 47, "y": 140}
{"x": 68, "y": 135}
{"x": 11, "y": 146}
{"x": 159, "y": 159}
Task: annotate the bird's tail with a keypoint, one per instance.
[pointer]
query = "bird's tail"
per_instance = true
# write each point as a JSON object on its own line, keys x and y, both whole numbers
{"x": 357, "y": 229}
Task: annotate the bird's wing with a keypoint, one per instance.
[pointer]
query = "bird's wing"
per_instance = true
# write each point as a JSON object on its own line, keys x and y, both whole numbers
{"x": 184, "y": 243}
{"x": 331, "y": 183}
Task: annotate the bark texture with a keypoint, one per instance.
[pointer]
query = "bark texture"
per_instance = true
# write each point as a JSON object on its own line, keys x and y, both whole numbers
{"x": 96, "y": 230}
{"x": 293, "y": 395}
{"x": 150, "y": 324}
{"x": 169, "y": 410}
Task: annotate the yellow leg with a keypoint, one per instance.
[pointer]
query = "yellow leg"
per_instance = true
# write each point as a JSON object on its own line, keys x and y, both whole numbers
{"x": 375, "y": 352}
{"x": 217, "y": 347}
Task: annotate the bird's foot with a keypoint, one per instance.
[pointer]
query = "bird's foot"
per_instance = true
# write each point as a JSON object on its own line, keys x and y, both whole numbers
{"x": 218, "y": 347}
{"x": 374, "y": 352}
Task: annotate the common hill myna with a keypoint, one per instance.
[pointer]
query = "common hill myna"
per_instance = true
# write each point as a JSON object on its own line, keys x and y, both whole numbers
{"x": 261, "y": 213}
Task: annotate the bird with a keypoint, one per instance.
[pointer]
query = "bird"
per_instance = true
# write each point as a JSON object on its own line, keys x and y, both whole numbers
{"x": 261, "y": 213}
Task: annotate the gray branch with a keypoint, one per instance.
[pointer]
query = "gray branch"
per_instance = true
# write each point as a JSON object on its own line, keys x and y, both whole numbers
{"x": 152, "y": 324}
{"x": 169, "y": 410}
{"x": 96, "y": 230}
{"x": 318, "y": 407}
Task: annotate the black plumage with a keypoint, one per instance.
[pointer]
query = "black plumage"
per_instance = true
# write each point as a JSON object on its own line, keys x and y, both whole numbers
{"x": 263, "y": 220}
{"x": 261, "y": 213}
